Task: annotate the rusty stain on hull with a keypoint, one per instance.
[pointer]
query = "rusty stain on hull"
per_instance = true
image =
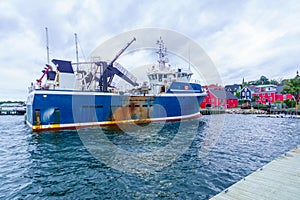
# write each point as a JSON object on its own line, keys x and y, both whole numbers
{"x": 135, "y": 107}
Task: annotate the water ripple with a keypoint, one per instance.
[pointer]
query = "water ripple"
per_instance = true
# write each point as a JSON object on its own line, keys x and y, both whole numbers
{"x": 57, "y": 164}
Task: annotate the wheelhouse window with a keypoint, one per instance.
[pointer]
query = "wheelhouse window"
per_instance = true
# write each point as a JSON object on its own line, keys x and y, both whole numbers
{"x": 160, "y": 77}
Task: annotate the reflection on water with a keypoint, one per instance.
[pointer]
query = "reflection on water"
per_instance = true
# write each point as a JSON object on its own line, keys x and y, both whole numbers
{"x": 142, "y": 150}
{"x": 199, "y": 159}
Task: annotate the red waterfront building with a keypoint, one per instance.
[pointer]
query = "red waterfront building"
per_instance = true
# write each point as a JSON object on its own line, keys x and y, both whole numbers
{"x": 217, "y": 97}
{"x": 232, "y": 101}
{"x": 265, "y": 94}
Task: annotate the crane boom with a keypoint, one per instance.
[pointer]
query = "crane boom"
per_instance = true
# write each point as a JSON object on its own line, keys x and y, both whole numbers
{"x": 121, "y": 51}
{"x": 109, "y": 71}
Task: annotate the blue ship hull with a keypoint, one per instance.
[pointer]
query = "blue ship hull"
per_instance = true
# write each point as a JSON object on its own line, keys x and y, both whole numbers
{"x": 54, "y": 109}
{"x": 169, "y": 95}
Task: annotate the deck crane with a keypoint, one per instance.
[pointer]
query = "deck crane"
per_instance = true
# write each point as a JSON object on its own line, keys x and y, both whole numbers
{"x": 109, "y": 71}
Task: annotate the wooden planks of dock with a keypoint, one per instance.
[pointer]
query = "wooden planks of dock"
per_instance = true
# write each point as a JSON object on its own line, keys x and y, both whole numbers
{"x": 279, "y": 179}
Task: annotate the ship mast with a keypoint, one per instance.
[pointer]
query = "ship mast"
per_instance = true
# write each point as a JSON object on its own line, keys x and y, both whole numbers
{"x": 47, "y": 45}
{"x": 77, "y": 60}
{"x": 162, "y": 53}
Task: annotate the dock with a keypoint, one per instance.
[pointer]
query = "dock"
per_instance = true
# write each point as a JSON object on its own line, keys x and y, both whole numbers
{"x": 12, "y": 109}
{"x": 279, "y": 179}
{"x": 211, "y": 111}
{"x": 281, "y": 116}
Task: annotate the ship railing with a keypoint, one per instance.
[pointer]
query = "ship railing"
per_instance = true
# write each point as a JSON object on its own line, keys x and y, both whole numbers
{"x": 87, "y": 75}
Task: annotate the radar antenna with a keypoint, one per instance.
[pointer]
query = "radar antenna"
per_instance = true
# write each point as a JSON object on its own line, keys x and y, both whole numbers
{"x": 162, "y": 53}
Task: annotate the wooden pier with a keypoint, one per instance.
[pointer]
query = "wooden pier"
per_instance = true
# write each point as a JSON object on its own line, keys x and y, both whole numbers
{"x": 211, "y": 111}
{"x": 279, "y": 179}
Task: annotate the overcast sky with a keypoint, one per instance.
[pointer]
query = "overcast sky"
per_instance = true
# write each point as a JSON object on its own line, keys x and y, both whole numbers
{"x": 243, "y": 38}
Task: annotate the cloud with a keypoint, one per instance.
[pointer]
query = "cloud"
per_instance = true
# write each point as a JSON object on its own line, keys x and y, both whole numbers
{"x": 260, "y": 40}
{"x": 243, "y": 38}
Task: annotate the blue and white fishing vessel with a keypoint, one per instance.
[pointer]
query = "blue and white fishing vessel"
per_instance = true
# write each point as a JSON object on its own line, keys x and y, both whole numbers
{"x": 75, "y": 95}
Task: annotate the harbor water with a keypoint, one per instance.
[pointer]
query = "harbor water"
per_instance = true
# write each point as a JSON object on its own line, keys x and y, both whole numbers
{"x": 222, "y": 150}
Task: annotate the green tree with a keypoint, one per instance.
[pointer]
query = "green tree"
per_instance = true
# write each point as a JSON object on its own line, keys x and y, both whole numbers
{"x": 292, "y": 87}
{"x": 254, "y": 99}
{"x": 274, "y": 82}
{"x": 284, "y": 81}
{"x": 237, "y": 94}
{"x": 289, "y": 103}
{"x": 245, "y": 84}
{"x": 264, "y": 80}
